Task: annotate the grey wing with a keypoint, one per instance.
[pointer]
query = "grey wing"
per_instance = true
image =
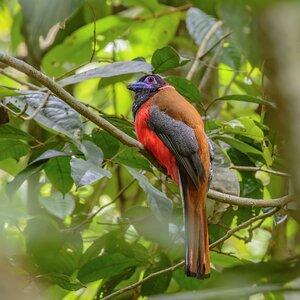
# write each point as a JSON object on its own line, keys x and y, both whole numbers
{"x": 181, "y": 141}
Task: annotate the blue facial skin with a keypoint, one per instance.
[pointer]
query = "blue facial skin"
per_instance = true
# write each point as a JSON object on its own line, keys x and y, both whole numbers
{"x": 137, "y": 85}
{"x": 144, "y": 88}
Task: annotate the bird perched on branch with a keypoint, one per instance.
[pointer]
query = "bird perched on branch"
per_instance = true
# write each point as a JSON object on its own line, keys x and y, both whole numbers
{"x": 172, "y": 130}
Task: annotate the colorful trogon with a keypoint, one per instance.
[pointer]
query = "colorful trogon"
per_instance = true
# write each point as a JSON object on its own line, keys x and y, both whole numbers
{"x": 172, "y": 130}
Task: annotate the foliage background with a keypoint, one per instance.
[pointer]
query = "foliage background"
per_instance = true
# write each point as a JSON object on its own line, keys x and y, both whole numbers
{"x": 81, "y": 213}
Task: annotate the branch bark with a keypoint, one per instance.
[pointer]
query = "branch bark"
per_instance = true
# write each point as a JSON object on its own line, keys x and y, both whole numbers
{"x": 202, "y": 48}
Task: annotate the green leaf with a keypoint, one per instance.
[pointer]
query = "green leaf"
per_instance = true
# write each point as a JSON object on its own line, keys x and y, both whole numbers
{"x": 56, "y": 115}
{"x": 13, "y": 149}
{"x": 64, "y": 281}
{"x": 53, "y": 250}
{"x": 39, "y": 16}
{"x": 104, "y": 266}
{"x": 246, "y": 98}
{"x": 132, "y": 158}
{"x": 185, "y": 87}
{"x": 77, "y": 48}
{"x": 241, "y": 146}
{"x": 224, "y": 260}
{"x": 244, "y": 126}
{"x": 147, "y": 224}
{"x": 231, "y": 54}
{"x": 58, "y": 171}
{"x": 6, "y": 92}
{"x": 147, "y": 36}
{"x": 58, "y": 205}
{"x": 199, "y": 23}
{"x": 15, "y": 184}
{"x": 159, "y": 203}
{"x": 113, "y": 69}
{"x": 187, "y": 283}
{"x": 159, "y": 284}
{"x": 167, "y": 58}
{"x": 85, "y": 172}
{"x": 92, "y": 152}
{"x": 108, "y": 144}
{"x": 7, "y": 131}
{"x": 50, "y": 154}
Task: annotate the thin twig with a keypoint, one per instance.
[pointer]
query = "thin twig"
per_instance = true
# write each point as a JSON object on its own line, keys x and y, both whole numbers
{"x": 249, "y": 168}
{"x": 91, "y": 216}
{"x": 171, "y": 10}
{"x": 38, "y": 109}
{"x": 202, "y": 48}
{"x": 30, "y": 85}
{"x": 94, "y": 32}
{"x": 208, "y": 71}
{"x": 180, "y": 264}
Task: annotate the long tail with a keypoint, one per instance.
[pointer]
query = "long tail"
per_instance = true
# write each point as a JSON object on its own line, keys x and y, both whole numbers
{"x": 197, "y": 261}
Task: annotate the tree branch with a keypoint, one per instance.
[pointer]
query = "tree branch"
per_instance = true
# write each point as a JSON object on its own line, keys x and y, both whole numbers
{"x": 249, "y": 168}
{"x": 124, "y": 138}
{"x": 202, "y": 48}
{"x": 250, "y": 202}
{"x": 230, "y": 233}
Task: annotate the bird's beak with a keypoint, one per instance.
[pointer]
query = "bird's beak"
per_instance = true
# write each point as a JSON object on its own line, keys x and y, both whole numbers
{"x": 135, "y": 86}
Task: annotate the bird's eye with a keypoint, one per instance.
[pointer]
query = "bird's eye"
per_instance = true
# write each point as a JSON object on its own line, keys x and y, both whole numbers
{"x": 150, "y": 79}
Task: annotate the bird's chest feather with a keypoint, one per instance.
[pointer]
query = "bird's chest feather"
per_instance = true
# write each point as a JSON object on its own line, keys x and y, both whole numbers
{"x": 153, "y": 143}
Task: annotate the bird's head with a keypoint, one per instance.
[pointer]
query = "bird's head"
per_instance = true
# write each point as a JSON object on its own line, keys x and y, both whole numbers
{"x": 147, "y": 84}
{"x": 146, "y": 87}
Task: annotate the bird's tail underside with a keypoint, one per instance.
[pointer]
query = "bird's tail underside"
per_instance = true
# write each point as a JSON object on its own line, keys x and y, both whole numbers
{"x": 197, "y": 261}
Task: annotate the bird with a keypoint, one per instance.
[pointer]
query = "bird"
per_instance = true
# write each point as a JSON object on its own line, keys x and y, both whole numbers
{"x": 172, "y": 130}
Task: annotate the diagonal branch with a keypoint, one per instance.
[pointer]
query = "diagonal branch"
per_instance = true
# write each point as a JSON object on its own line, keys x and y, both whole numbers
{"x": 180, "y": 264}
{"x": 202, "y": 48}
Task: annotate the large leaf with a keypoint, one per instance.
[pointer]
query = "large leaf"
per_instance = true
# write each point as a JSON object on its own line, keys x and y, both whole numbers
{"x": 88, "y": 171}
{"x": 185, "y": 87}
{"x": 6, "y": 91}
{"x": 241, "y": 146}
{"x": 12, "y": 149}
{"x": 40, "y": 15}
{"x": 50, "y": 154}
{"x": 56, "y": 115}
{"x": 113, "y": 69}
{"x": 77, "y": 48}
{"x": 85, "y": 172}
{"x": 159, "y": 284}
{"x": 132, "y": 158}
{"x": 147, "y": 224}
{"x": 108, "y": 144}
{"x": 147, "y": 36}
{"x": 244, "y": 126}
{"x": 64, "y": 281}
{"x": 159, "y": 203}
{"x": 9, "y": 132}
{"x": 167, "y": 58}
{"x": 58, "y": 205}
{"x": 199, "y": 23}
{"x": 104, "y": 266}
{"x": 246, "y": 98}
{"x": 53, "y": 250}
{"x": 15, "y": 184}
{"x": 58, "y": 171}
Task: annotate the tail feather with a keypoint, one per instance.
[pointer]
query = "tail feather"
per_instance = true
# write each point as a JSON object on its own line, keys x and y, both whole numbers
{"x": 197, "y": 260}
